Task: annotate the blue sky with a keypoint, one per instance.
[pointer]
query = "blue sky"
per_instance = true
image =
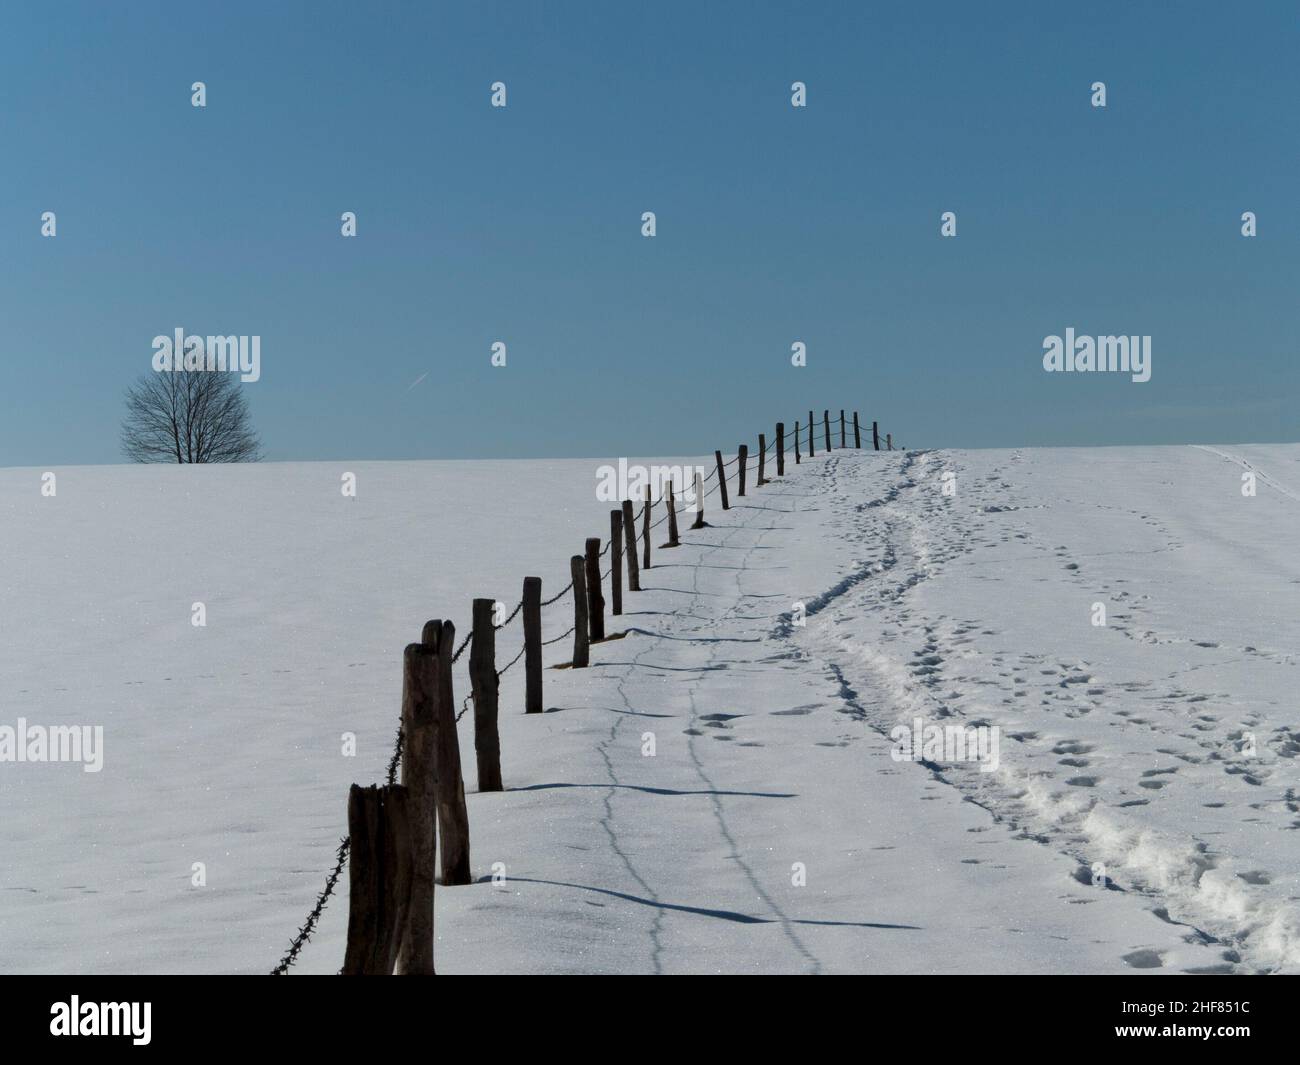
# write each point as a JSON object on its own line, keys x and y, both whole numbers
{"x": 774, "y": 224}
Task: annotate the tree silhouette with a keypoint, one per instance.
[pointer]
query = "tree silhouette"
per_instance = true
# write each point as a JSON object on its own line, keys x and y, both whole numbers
{"x": 188, "y": 416}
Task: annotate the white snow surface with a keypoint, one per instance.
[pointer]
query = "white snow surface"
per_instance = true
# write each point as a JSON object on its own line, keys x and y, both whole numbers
{"x": 1159, "y": 748}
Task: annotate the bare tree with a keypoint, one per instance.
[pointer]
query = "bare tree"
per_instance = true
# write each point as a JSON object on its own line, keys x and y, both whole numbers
{"x": 188, "y": 416}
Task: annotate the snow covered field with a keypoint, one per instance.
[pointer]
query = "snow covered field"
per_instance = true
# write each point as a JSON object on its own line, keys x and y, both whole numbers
{"x": 1143, "y": 817}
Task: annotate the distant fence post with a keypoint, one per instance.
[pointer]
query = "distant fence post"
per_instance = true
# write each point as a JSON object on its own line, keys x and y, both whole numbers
{"x": 484, "y": 685}
{"x": 842, "y": 443}
{"x": 857, "y": 433}
{"x": 742, "y": 457}
{"x": 379, "y": 885}
{"x": 889, "y": 441}
{"x": 780, "y": 449}
{"x": 645, "y": 530}
{"x": 581, "y": 645}
{"x": 722, "y": 482}
{"x": 595, "y": 598}
{"x": 812, "y": 432}
{"x": 699, "y": 522}
{"x": 875, "y": 435}
{"x": 532, "y": 645}
{"x": 453, "y": 820}
{"x": 826, "y": 421}
{"x": 616, "y": 561}
{"x": 421, "y": 680}
{"x": 629, "y": 536}
{"x": 762, "y": 455}
{"x": 796, "y": 443}
{"x": 672, "y": 518}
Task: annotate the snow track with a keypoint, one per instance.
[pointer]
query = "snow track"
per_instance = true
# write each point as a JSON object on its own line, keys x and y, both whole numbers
{"x": 1117, "y": 758}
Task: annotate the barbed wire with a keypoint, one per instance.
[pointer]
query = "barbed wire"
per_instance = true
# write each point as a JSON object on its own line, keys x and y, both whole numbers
{"x": 463, "y": 644}
{"x": 512, "y": 661}
{"x": 567, "y": 589}
{"x": 309, "y": 926}
{"x": 557, "y": 639}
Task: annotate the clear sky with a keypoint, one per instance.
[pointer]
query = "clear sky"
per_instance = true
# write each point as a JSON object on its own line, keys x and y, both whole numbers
{"x": 775, "y": 224}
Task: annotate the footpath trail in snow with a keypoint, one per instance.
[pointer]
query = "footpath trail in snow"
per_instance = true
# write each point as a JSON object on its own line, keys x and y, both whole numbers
{"x": 1158, "y": 748}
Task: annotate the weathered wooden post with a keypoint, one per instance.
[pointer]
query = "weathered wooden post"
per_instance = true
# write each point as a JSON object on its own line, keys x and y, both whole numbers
{"x": 889, "y": 441}
{"x": 780, "y": 449}
{"x": 379, "y": 885}
{"x": 722, "y": 479}
{"x": 875, "y": 435}
{"x": 595, "y": 598}
{"x": 742, "y": 457}
{"x": 699, "y": 523}
{"x": 762, "y": 454}
{"x": 532, "y": 645}
{"x": 484, "y": 686}
{"x": 826, "y": 421}
{"x": 842, "y": 443}
{"x": 645, "y": 530}
{"x": 672, "y": 518}
{"x": 616, "y": 561}
{"x": 812, "y": 432}
{"x": 629, "y": 534}
{"x": 796, "y": 443}
{"x": 421, "y": 680}
{"x": 453, "y": 819}
{"x": 857, "y": 433}
{"x": 581, "y": 642}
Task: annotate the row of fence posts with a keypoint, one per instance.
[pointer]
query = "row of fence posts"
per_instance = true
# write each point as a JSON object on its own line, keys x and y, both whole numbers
{"x": 395, "y": 829}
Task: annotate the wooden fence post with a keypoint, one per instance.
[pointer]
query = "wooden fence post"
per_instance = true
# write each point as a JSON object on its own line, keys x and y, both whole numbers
{"x": 645, "y": 530}
{"x": 875, "y": 435}
{"x": 581, "y": 643}
{"x": 742, "y": 457}
{"x": 826, "y": 421}
{"x": 889, "y": 441}
{"x": 484, "y": 684}
{"x": 595, "y": 598}
{"x": 812, "y": 432}
{"x": 379, "y": 884}
{"x": 532, "y": 645}
{"x": 420, "y": 683}
{"x": 857, "y": 433}
{"x": 842, "y": 443}
{"x": 780, "y": 449}
{"x": 629, "y": 536}
{"x": 453, "y": 819}
{"x": 616, "y": 561}
{"x": 796, "y": 443}
{"x": 722, "y": 480}
{"x": 699, "y": 523}
{"x": 762, "y": 455}
{"x": 672, "y": 519}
